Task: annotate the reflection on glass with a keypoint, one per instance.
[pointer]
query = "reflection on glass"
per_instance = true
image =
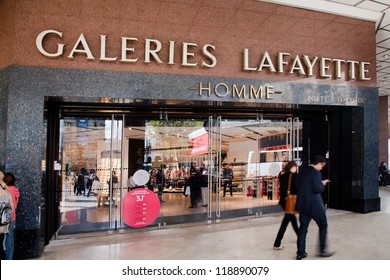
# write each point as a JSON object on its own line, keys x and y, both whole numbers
{"x": 91, "y": 151}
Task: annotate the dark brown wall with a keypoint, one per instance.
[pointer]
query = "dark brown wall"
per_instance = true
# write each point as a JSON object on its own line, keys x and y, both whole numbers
{"x": 230, "y": 25}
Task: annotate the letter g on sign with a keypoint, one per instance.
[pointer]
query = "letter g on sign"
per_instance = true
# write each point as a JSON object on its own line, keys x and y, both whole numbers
{"x": 39, "y": 43}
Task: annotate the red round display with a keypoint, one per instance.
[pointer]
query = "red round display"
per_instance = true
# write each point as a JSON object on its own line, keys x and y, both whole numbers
{"x": 140, "y": 208}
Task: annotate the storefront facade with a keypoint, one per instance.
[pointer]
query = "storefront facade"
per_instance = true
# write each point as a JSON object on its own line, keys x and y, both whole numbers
{"x": 155, "y": 61}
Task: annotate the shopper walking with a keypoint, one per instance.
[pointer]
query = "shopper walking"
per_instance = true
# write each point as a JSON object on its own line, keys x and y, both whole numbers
{"x": 9, "y": 180}
{"x": 311, "y": 206}
{"x": 287, "y": 181}
{"x": 382, "y": 172}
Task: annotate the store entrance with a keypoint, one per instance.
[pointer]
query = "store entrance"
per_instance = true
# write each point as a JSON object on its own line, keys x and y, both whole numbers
{"x": 236, "y": 160}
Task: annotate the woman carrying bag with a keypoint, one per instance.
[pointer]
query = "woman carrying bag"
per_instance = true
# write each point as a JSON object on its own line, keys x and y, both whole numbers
{"x": 287, "y": 187}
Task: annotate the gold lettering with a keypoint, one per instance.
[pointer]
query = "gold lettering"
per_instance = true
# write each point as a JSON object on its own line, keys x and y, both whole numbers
{"x": 217, "y": 92}
{"x": 268, "y": 91}
{"x": 324, "y": 67}
{"x": 209, "y": 55}
{"x": 207, "y": 89}
{"x": 313, "y": 98}
{"x": 240, "y": 93}
{"x": 257, "y": 94}
{"x": 86, "y": 50}
{"x": 310, "y": 64}
{"x": 103, "y": 39}
{"x": 266, "y": 62}
{"x": 246, "y": 62}
{"x": 297, "y": 66}
{"x": 352, "y": 63}
{"x": 39, "y": 43}
{"x": 187, "y": 54}
{"x": 337, "y": 67}
{"x": 152, "y": 52}
{"x": 125, "y": 49}
{"x": 171, "y": 57}
{"x": 363, "y": 71}
{"x": 281, "y": 62}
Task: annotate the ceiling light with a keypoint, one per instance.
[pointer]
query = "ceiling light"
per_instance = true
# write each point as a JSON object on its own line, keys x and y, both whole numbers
{"x": 386, "y": 55}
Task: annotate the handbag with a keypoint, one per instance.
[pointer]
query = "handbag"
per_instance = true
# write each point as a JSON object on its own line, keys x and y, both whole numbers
{"x": 187, "y": 191}
{"x": 291, "y": 199}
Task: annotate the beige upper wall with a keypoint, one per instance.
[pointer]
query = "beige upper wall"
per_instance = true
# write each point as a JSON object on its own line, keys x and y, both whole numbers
{"x": 229, "y": 25}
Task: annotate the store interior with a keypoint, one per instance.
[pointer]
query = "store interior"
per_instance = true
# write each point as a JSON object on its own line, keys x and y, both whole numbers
{"x": 255, "y": 148}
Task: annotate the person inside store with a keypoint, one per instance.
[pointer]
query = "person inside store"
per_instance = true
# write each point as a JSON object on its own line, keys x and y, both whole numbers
{"x": 382, "y": 172}
{"x": 287, "y": 181}
{"x": 80, "y": 184}
{"x": 227, "y": 178}
{"x": 310, "y": 205}
{"x": 195, "y": 182}
{"x": 160, "y": 182}
{"x": 91, "y": 178}
{"x": 8, "y": 183}
{"x": 204, "y": 185}
{"x": 114, "y": 180}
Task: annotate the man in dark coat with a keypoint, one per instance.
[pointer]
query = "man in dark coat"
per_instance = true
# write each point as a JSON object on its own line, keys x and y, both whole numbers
{"x": 311, "y": 206}
{"x": 195, "y": 182}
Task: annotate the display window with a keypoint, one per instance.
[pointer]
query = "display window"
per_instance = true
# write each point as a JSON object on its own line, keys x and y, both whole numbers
{"x": 201, "y": 169}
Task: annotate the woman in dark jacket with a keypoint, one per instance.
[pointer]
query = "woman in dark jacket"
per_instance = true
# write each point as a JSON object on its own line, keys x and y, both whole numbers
{"x": 290, "y": 170}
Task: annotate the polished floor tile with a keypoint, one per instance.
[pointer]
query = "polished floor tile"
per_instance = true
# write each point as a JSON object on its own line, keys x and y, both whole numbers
{"x": 353, "y": 236}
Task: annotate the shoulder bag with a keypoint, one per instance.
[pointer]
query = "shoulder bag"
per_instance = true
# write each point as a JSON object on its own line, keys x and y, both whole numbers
{"x": 291, "y": 199}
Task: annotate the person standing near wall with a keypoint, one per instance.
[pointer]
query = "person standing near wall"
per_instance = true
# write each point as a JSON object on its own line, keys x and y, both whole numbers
{"x": 9, "y": 186}
{"x": 310, "y": 205}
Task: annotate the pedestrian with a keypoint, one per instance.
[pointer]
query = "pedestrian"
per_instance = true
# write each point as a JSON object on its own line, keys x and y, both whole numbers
{"x": 9, "y": 186}
{"x": 287, "y": 184}
{"x": 310, "y": 205}
{"x": 382, "y": 172}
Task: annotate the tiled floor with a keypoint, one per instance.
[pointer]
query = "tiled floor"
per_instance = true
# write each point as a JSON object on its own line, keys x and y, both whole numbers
{"x": 353, "y": 236}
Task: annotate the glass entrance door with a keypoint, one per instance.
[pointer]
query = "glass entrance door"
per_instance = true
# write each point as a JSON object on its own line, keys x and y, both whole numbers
{"x": 244, "y": 172}
{"x": 91, "y": 173}
{"x": 237, "y": 159}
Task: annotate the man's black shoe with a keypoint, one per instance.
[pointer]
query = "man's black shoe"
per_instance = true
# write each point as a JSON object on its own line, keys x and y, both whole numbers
{"x": 326, "y": 254}
{"x": 300, "y": 257}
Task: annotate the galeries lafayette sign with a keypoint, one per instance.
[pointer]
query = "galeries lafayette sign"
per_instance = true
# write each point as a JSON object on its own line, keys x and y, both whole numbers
{"x": 193, "y": 55}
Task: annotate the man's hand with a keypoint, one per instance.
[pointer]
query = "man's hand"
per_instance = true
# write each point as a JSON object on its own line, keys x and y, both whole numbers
{"x": 324, "y": 182}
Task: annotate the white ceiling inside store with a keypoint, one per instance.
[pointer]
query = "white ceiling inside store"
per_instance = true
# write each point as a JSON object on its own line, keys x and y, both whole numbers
{"x": 232, "y": 131}
{"x": 377, "y": 11}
